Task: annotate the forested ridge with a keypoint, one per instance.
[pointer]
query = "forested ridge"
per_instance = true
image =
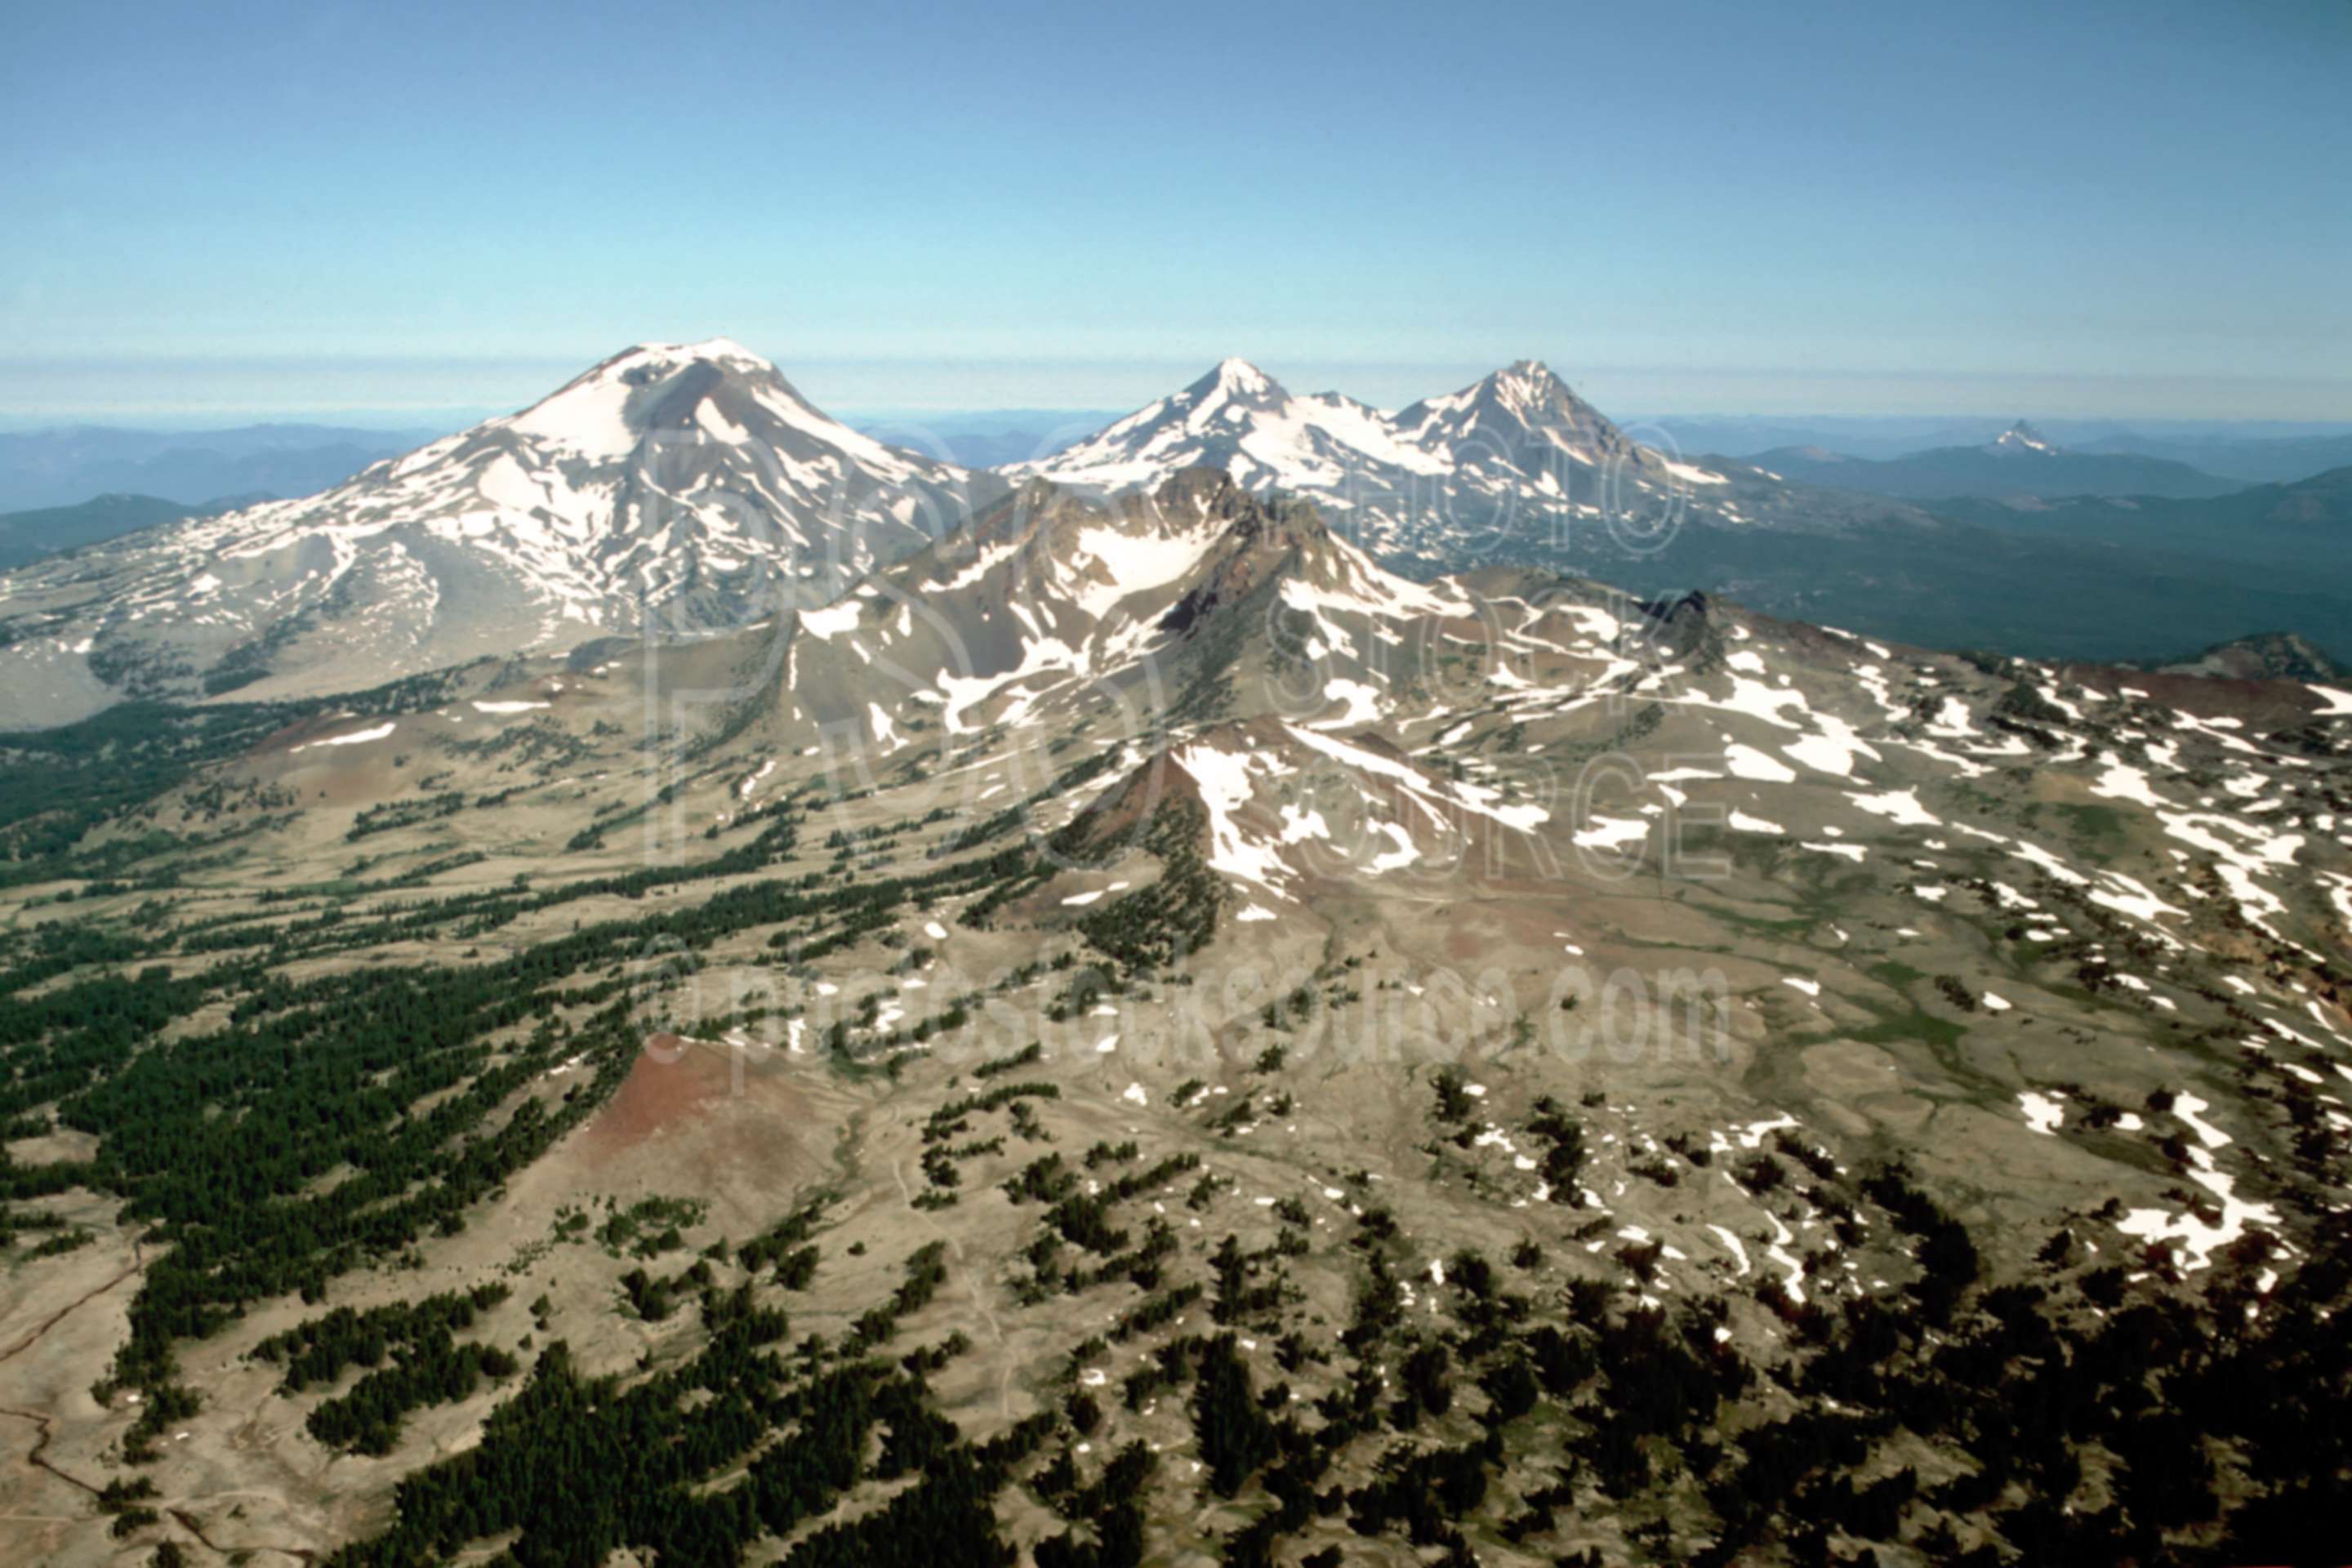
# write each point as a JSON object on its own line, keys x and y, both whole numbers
{"x": 415, "y": 1085}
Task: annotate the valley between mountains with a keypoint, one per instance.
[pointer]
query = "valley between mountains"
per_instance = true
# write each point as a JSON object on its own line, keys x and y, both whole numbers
{"x": 657, "y": 982}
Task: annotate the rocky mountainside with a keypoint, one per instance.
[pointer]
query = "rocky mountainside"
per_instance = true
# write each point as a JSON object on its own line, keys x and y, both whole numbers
{"x": 1138, "y": 1034}
{"x": 1512, "y": 467}
{"x": 1515, "y": 471}
{"x": 672, "y": 489}
{"x": 1053, "y": 600}
{"x": 679, "y": 491}
{"x": 2266, "y": 656}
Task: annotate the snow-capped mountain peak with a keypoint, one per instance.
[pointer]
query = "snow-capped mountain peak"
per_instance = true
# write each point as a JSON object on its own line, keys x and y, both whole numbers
{"x": 1515, "y": 444}
{"x": 1524, "y": 402}
{"x": 709, "y": 348}
{"x": 672, "y": 486}
{"x": 1240, "y": 419}
{"x": 2022, "y": 437}
{"x": 607, "y": 411}
{"x": 1237, "y": 378}
{"x": 1528, "y": 383}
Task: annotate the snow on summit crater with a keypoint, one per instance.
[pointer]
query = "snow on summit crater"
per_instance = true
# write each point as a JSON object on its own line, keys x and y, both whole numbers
{"x": 684, "y": 485}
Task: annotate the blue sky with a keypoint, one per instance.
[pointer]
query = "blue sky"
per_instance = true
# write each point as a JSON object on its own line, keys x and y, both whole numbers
{"x": 2075, "y": 210}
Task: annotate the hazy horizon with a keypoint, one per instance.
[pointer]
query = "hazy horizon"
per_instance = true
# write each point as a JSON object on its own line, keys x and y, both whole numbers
{"x": 1723, "y": 209}
{"x": 451, "y": 394}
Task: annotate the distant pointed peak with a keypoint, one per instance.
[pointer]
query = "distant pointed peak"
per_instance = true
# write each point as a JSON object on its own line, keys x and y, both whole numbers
{"x": 1527, "y": 391}
{"x": 1526, "y": 384}
{"x": 2022, "y": 436}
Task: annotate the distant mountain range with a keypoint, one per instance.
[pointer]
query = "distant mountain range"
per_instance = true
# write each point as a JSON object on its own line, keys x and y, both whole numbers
{"x": 682, "y": 489}
{"x": 2252, "y": 462}
{"x": 2252, "y": 452}
{"x": 2021, "y": 461}
{"x": 66, "y": 467}
{"x": 1514, "y": 468}
{"x": 1517, "y": 470}
{"x": 29, "y": 535}
{"x": 2287, "y": 535}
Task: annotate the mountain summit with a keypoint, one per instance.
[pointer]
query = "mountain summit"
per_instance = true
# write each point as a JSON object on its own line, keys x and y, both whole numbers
{"x": 1238, "y": 418}
{"x": 1521, "y": 427}
{"x": 673, "y": 488}
{"x": 1518, "y": 441}
{"x": 2022, "y": 437}
{"x": 1055, "y": 598}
